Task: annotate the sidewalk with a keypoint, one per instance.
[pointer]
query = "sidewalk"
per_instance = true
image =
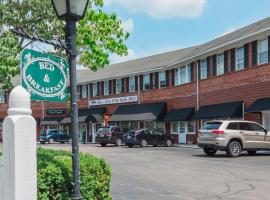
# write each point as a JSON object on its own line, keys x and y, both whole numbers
{"x": 189, "y": 146}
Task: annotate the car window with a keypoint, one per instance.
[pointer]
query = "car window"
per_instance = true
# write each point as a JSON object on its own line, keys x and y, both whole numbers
{"x": 256, "y": 127}
{"x": 157, "y": 132}
{"x": 244, "y": 126}
{"x": 43, "y": 132}
{"x": 103, "y": 130}
{"x": 211, "y": 125}
{"x": 232, "y": 126}
{"x": 115, "y": 129}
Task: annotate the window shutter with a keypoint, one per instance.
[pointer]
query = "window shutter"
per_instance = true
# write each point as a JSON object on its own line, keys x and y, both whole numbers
{"x": 91, "y": 89}
{"x": 151, "y": 81}
{"x": 127, "y": 84}
{"x": 199, "y": 69}
{"x": 232, "y": 59}
{"x": 136, "y": 83}
{"x": 226, "y": 62}
{"x": 254, "y": 52}
{"x": 87, "y": 89}
{"x": 167, "y": 78}
{"x": 268, "y": 48}
{"x": 79, "y": 88}
{"x": 172, "y": 78}
{"x": 114, "y": 86}
{"x": 122, "y": 85}
{"x": 208, "y": 67}
{"x": 102, "y": 89}
{"x": 157, "y": 80}
{"x": 214, "y": 66}
{"x": 141, "y": 82}
{"x": 246, "y": 55}
{"x": 98, "y": 89}
{"x": 110, "y": 87}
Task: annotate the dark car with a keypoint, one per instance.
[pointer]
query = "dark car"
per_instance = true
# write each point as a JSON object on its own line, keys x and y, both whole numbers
{"x": 53, "y": 135}
{"x": 110, "y": 135}
{"x": 144, "y": 137}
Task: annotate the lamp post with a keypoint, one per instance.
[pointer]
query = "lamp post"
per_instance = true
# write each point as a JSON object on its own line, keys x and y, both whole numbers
{"x": 72, "y": 11}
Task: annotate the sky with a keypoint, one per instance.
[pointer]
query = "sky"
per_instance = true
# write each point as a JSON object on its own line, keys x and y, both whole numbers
{"x": 158, "y": 26}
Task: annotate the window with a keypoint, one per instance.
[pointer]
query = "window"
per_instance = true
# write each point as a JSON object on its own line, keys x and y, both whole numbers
{"x": 182, "y": 127}
{"x": 106, "y": 88}
{"x": 2, "y": 97}
{"x": 95, "y": 89}
{"x": 220, "y": 64}
{"x": 244, "y": 126}
{"x": 132, "y": 85}
{"x": 239, "y": 59}
{"x": 232, "y": 126}
{"x": 174, "y": 127}
{"x": 183, "y": 75}
{"x": 149, "y": 125}
{"x": 162, "y": 79}
{"x": 146, "y": 82}
{"x": 191, "y": 127}
{"x": 203, "y": 69}
{"x": 211, "y": 126}
{"x": 160, "y": 126}
{"x": 84, "y": 91}
{"x": 263, "y": 51}
{"x": 256, "y": 127}
{"x": 118, "y": 86}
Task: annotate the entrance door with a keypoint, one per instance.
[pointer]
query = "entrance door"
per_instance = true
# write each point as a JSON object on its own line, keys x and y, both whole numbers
{"x": 182, "y": 133}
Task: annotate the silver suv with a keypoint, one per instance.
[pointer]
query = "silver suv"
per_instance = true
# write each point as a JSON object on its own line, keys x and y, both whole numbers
{"x": 233, "y": 137}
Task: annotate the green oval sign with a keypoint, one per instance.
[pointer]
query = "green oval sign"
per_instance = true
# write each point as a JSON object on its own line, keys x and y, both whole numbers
{"x": 45, "y": 77}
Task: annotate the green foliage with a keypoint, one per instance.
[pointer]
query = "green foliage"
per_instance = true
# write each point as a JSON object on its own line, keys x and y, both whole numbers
{"x": 55, "y": 176}
{"x": 99, "y": 34}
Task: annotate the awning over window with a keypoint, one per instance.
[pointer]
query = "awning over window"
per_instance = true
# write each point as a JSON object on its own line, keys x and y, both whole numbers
{"x": 220, "y": 111}
{"x": 86, "y": 115}
{"x": 259, "y": 105}
{"x": 47, "y": 121}
{"x": 139, "y": 112}
{"x": 184, "y": 114}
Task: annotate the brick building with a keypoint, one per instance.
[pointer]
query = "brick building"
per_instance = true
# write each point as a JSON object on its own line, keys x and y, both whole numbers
{"x": 177, "y": 91}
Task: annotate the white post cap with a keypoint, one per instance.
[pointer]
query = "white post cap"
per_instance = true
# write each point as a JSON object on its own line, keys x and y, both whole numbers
{"x": 19, "y": 102}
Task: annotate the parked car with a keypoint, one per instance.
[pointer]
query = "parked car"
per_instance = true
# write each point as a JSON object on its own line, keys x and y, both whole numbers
{"x": 53, "y": 135}
{"x": 233, "y": 137}
{"x": 110, "y": 135}
{"x": 144, "y": 137}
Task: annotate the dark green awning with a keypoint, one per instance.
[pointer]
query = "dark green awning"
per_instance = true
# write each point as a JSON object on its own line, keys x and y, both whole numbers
{"x": 259, "y": 105}
{"x": 184, "y": 114}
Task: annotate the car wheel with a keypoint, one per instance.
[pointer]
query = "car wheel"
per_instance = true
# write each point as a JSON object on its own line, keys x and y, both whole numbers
{"x": 169, "y": 143}
{"x": 118, "y": 142}
{"x": 209, "y": 152}
{"x": 144, "y": 143}
{"x": 234, "y": 149}
{"x": 51, "y": 141}
{"x": 130, "y": 145}
{"x": 252, "y": 153}
{"x": 103, "y": 144}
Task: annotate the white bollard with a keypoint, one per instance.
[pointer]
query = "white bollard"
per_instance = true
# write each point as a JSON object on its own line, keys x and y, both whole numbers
{"x": 19, "y": 173}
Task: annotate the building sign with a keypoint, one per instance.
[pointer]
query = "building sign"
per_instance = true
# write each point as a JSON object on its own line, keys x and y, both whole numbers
{"x": 55, "y": 112}
{"x": 118, "y": 100}
{"x": 44, "y": 76}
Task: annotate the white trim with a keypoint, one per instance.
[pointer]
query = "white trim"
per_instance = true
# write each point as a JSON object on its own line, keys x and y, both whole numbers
{"x": 258, "y": 53}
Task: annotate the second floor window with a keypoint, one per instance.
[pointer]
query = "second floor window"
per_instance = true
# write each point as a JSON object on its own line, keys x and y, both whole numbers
{"x": 146, "y": 82}
{"x": 183, "y": 75}
{"x": 106, "y": 88}
{"x": 95, "y": 89}
{"x": 162, "y": 79}
{"x": 220, "y": 64}
{"x": 84, "y": 91}
{"x": 263, "y": 51}
{"x": 118, "y": 86}
{"x": 239, "y": 59}
{"x": 132, "y": 86}
{"x": 203, "y": 69}
{"x": 2, "y": 97}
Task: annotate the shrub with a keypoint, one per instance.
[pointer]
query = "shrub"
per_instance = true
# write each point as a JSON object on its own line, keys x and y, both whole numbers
{"x": 55, "y": 176}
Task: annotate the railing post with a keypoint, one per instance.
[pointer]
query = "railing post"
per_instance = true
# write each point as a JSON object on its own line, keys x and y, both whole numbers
{"x": 19, "y": 173}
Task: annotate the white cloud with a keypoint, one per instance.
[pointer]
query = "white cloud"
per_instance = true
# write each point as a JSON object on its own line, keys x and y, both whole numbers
{"x": 128, "y": 25}
{"x": 163, "y": 9}
{"x": 118, "y": 59}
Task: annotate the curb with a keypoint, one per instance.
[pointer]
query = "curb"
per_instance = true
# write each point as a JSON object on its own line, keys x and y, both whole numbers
{"x": 187, "y": 146}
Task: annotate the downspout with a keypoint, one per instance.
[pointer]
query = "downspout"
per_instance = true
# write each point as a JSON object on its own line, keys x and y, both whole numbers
{"x": 243, "y": 104}
{"x": 139, "y": 90}
{"x": 197, "y": 99}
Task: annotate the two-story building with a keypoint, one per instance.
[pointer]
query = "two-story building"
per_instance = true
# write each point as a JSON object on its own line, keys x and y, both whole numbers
{"x": 226, "y": 78}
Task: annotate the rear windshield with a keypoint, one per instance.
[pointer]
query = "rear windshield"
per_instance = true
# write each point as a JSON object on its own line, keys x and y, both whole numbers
{"x": 43, "y": 132}
{"x": 103, "y": 130}
{"x": 211, "y": 125}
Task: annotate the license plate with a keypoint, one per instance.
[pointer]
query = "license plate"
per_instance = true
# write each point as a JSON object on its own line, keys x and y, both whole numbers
{"x": 128, "y": 137}
{"x": 101, "y": 135}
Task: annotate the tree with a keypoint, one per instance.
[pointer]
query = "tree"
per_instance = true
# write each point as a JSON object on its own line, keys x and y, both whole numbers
{"x": 99, "y": 34}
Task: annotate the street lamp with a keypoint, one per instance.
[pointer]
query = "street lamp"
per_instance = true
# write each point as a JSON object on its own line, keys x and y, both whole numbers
{"x": 72, "y": 11}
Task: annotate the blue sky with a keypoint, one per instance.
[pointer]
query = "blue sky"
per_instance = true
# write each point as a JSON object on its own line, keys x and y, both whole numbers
{"x": 163, "y": 25}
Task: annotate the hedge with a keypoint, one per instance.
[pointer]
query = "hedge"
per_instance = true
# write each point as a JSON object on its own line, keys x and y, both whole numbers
{"x": 55, "y": 176}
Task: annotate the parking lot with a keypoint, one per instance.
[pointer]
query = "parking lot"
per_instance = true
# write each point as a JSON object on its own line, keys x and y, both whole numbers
{"x": 160, "y": 173}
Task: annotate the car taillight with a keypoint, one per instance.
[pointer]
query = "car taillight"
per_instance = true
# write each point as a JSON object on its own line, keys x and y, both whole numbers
{"x": 108, "y": 134}
{"x": 218, "y": 132}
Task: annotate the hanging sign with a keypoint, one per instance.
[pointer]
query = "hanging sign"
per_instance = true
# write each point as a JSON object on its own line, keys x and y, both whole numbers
{"x": 44, "y": 76}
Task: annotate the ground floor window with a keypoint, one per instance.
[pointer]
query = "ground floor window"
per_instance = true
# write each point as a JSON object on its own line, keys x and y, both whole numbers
{"x": 149, "y": 125}
{"x": 160, "y": 126}
{"x": 174, "y": 128}
{"x": 191, "y": 127}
